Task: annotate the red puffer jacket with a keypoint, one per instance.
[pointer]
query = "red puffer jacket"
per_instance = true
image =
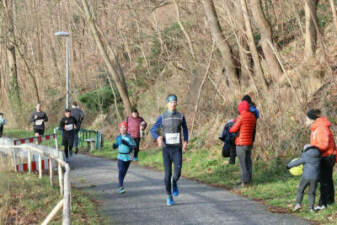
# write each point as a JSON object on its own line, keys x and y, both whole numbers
{"x": 245, "y": 124}
{"x": 322, "y": 137}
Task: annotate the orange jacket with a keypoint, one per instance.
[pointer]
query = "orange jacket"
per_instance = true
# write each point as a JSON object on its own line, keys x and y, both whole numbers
{"x": 322, "y": 137}
{"x": 245, "y": 124}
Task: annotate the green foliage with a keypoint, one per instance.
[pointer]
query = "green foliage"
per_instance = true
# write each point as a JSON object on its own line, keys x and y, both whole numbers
{"x": 98, "y": 100}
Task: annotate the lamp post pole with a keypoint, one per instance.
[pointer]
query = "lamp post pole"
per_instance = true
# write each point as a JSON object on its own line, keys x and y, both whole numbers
{"x": 66, "y": 34}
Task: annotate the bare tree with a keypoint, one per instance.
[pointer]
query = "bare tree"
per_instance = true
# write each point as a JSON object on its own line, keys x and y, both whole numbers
{"x": 14, "y": 93}
{"x": 266, "y": 38}
{"x": 115, "y": 75}
{"x": 251, "y": 42}
{"x": 310, "y": 30}
{"x": 221, "y": 41}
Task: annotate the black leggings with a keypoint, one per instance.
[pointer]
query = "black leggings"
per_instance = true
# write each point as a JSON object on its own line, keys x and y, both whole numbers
{"x": 68, "y": 145}
{"x": 327, "y": 188}
{"x": 136, "y": 149}
{"x": 172, "y": 155}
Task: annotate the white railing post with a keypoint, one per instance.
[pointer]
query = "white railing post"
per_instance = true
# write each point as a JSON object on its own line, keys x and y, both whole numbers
{"x": 66, "y": 196}
{"x": 29, "y": 161}
{"x": 51, "y": 171}
{"x": 14, "y": 159}
{"x": 40, "y": 166}
{"x": 60, "y": 178}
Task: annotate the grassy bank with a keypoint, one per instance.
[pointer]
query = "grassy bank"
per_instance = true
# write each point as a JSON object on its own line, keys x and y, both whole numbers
{"x": 25, "y": 199}
{"x": 272, "y": 184}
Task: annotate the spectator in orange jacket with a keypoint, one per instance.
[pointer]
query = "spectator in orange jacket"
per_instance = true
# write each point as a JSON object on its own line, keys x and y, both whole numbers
{"x": 322, "y": 138}
{"x": 245, "y": 125}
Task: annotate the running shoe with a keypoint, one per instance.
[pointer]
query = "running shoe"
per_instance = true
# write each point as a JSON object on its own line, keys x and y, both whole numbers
{"x": 121, "y": 190}
{"x": 170, "y": 200}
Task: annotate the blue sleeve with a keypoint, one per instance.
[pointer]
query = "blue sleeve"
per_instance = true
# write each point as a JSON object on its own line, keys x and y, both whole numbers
{"x": 185, "y": 130}
{"x": 156, "y": 127}
{"x": 254, "y": 110}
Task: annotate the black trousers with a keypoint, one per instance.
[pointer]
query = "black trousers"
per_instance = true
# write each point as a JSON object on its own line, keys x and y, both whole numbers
{"x": 327, "y": 188}
{"x": 312, "y": 191}
{"x": 1, "y": 130}
{"x": 172, "y": 155}
{"x": 68, "y": 142}
{"x": 136, "y": 149}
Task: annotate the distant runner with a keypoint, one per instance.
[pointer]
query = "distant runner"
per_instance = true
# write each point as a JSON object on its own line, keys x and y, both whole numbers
{"x": 136, "y": 125}
{"x": 2, "y": 123}
{"x": 171, "y": 122}
{"x": 38, "y": 118}
{"x": 78, "y": 114}
{"x": 68, "y": 125}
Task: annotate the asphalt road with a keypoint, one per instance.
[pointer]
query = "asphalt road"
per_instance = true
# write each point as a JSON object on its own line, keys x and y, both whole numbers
{"x": 145, "y": 200}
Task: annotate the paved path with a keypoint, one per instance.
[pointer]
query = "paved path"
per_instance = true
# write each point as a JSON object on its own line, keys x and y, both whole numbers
{"x": 145, "y": 201}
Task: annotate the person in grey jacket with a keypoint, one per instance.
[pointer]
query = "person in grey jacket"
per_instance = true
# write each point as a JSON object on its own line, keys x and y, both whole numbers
{"x": 310, "y": 159}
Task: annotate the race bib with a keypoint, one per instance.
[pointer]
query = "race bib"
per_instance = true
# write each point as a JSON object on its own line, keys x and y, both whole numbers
{"x": 172, "y": 138}
{"x": 69, "y": 127}
{"x": 38, "y": 122}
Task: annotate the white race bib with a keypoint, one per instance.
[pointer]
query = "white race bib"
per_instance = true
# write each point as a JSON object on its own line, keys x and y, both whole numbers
{"x": 38, "y": 122}
{"x": 172, "y": 138}
{"x": 69, "y": 127}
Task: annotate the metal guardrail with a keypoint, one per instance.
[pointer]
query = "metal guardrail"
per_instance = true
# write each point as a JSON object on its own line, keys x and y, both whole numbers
{"x": 85, "y": 134}
{"x": 6, "y": 147}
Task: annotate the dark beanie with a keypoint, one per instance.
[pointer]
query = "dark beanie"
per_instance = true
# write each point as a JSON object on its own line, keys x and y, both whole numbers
{"x": 313, "y": 114}
{"x": 247, "y": 98}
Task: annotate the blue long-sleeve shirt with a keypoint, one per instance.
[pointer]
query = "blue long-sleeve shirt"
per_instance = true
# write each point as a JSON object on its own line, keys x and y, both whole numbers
{"x": 158, "y": 124}
{"x": 124, "y": 150}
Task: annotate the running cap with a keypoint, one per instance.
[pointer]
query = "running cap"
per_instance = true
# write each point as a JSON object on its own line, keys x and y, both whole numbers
{"x": 171, "y": 97}
{"x": 123, "y": 124}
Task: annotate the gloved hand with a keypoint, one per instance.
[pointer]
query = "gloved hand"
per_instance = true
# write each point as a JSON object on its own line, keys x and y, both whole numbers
{"x": 124, "y": 142}
{"x": 114, "y": 145}
{"x": 288, "y": 167}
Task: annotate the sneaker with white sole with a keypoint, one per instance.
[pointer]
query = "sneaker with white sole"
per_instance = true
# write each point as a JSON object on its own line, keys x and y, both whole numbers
{"x": 320, "y": 207}
{"x": 297, "y": 207}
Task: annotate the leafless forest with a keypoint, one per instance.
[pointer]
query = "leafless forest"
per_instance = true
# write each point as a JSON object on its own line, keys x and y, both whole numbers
{"x": 209, "y": 52}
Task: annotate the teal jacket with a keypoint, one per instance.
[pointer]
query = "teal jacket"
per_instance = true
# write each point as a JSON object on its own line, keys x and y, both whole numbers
{"x": 124, "y": 150}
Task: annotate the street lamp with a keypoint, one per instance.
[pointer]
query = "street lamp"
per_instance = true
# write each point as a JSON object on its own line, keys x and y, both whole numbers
{"x": 66, "y": 34}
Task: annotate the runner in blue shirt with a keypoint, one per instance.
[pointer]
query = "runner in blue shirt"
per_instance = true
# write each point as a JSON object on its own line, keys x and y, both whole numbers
{"x": 125, "y": 145}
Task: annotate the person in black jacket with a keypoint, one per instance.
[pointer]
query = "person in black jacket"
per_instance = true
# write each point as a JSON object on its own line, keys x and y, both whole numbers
{"x": 311, "y": 159}
{"x": 38, "y": 118}
{"x": 68, "y": 125}
{"x": 78, "y": 114}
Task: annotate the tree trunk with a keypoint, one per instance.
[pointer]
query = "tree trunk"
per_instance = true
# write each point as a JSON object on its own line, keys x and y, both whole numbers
{"x": 221, "y": 42}
{"x": 334, "y": 13}
{"x": 251, "y": 43}
{"x": 310, "y": 30}
{"x": 13, "y": 88}
{"x": 266, "y": 38}
{"x": 119, "y": 83}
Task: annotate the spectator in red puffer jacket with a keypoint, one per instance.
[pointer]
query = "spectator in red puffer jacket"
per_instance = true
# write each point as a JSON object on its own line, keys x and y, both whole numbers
{"x": 245, "y": 125}
{"x": 136, "y": 125}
